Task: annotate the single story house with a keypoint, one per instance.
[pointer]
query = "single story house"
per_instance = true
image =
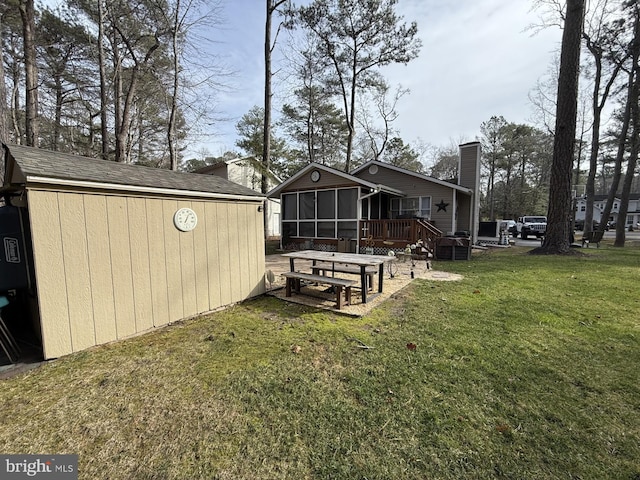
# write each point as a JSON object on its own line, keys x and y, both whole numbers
{"x": 247, "y": 171}
{"x": 378, "y": 206}
{"x": 116, "y": 249}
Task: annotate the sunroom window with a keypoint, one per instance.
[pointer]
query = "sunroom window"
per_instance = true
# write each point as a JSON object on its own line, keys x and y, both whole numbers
{"x": 321, "y": 213}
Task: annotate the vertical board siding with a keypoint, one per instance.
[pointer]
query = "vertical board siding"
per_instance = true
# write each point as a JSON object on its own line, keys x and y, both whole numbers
{"x": 119, "y": 246}
{"x": 140, "y": 263}
{"x": 50, "y": 274}
{"x": 234, "y": 250}
{"x": 76, "y": 265}
{"x": 157, "y": 263}
{"x": 213, "y": 254}
{"x": 188, "y": 267}
{"x": 100, "y": 273}
{"x": 225, "y": 242}
{"x": 108, "y": 267}
{"x": 201, "y": 259}
{"x": 172, "y": 259}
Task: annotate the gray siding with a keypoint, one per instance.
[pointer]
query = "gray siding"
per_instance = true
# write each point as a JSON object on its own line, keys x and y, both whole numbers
{"x": 414, "y": 187}
{"x": 327, "y": 180}
{"x": 469, "y": 166}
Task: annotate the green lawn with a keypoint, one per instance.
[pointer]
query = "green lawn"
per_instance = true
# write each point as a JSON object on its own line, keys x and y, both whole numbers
{"x": 526, "y": 369}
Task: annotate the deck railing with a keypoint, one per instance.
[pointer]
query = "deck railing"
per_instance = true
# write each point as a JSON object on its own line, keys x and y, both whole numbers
{"x": 402, "y": 231}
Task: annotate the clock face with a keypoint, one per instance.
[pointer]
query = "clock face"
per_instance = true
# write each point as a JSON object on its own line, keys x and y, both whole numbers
{"x": 185, "y": 219}
{"x": 315, "y": 176}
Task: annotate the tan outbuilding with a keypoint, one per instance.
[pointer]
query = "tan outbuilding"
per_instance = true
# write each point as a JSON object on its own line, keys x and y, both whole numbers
{"x": 121, "y": 249}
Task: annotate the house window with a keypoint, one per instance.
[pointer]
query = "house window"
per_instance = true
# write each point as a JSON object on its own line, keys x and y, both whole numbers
{"x": 307, "y": 229}
{"x": 583, "y": 208}
{"x": 290, "y": 206}
{"x": 348, "y": 203}
{"x": 307, "y": 205}
{"x": 411, "y": 207}
{"x": 347, "y": 229}
{"x": 327, "y": 204}
{"x": 321, "y": 214}
{"x": 425, "y": 207}
{"x": 327, "y": 229}
{"x": 289, "y": 229}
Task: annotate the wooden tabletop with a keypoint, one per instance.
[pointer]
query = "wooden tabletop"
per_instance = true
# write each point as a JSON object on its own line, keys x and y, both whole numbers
{"x": 338, "y": 257}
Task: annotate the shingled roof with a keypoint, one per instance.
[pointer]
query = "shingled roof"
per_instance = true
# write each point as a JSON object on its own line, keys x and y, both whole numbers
{"x": 46, "y": 164}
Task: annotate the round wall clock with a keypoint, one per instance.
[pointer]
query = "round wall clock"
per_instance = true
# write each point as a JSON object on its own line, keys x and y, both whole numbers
{"x": 185, "y": 219}
{"x": 315, "y": 176}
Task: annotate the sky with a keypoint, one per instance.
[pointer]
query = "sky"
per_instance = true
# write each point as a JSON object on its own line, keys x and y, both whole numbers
{"x": 479, "y": 58}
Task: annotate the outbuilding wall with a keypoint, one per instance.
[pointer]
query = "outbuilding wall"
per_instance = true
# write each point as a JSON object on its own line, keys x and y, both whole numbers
{"x": 111, "y": 266}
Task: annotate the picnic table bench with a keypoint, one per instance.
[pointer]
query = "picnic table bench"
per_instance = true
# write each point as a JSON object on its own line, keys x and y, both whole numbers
{"x": 325, "y": 267}
{"x": 294, "y": 284}
{"x": 336, "y": 258}
{"x": 592, "y": 237}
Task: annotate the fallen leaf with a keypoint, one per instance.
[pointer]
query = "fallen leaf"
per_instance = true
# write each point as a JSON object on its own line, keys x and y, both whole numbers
{"x": 411, "y": 346}
{"x": 503, "y": 428}
{"x": 296, "y": 348}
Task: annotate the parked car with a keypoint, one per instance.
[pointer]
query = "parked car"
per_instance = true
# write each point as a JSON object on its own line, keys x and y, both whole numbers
{"x": 579, "y": 225}
{"x": 531, "y": 225}
{"x": 509, "y": 226}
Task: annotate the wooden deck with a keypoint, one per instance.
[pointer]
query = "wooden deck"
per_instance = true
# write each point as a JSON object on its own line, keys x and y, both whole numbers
{"x": 399, "y": 233}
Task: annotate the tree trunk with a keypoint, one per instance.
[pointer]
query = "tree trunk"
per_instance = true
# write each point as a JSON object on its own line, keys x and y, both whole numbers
{"x": 272, "y": 5}
{"x": 27, "y": 13}
{"x": 58, "y": 113}
{"x": 633, "y": 99}
{"x": 171, "y": 128}
{"x": 266, "y": 131}
{"x": 352, "y": 114}
{"x": 557, "y": 238}
{"x": 599, "y": 102}
{"x": 622, "y": 143}
{"x": 104, "y": 127}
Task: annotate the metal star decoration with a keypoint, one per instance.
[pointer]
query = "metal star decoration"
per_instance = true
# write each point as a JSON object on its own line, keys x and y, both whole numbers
{"x": 442, "y": 206}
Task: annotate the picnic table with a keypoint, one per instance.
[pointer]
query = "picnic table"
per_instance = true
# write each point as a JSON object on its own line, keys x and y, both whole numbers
{"x": 361, "y": 261}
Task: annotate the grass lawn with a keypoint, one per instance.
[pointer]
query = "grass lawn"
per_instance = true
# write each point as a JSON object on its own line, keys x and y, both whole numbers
{"x": 526, "y": 369}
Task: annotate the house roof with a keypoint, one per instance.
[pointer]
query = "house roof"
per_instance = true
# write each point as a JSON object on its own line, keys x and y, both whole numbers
{"x": 412, "y": 174}
{"x": 48, "y": 167}
{"x": 223, "y": 163}
{"x": 602, "y": 198}
{"x": 317, "y": 166}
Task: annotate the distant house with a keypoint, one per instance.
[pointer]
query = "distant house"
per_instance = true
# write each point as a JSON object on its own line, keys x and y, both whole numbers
{"x": 599, "y": 202}
{"x": 246, "y": 171}
{"x": 377, "y": 206}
